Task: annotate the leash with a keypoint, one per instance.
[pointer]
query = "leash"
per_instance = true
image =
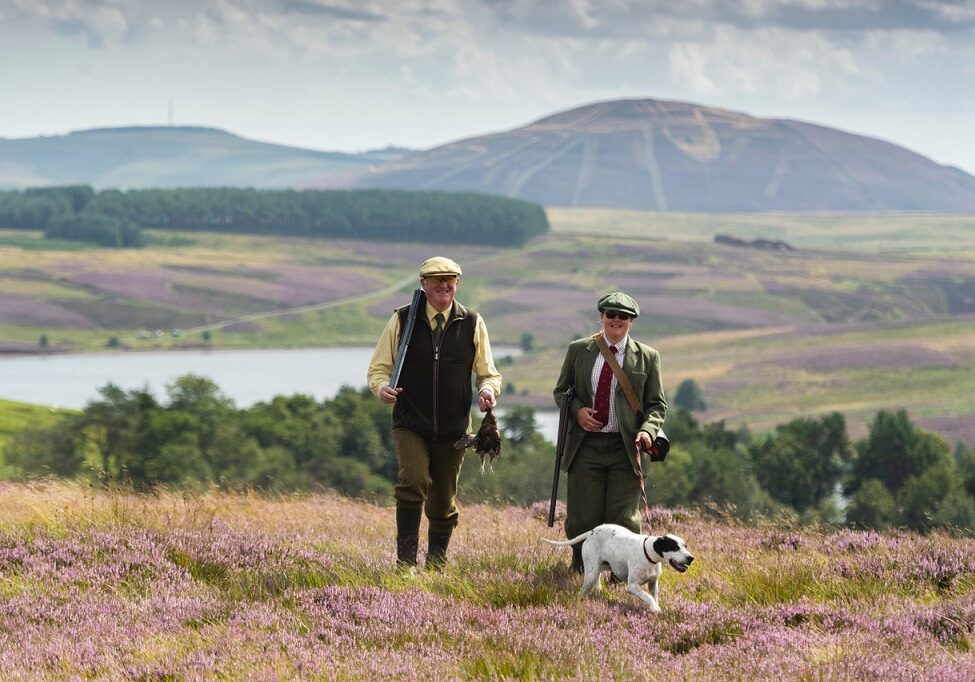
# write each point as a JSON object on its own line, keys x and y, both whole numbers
{"x": 645, "y": 510}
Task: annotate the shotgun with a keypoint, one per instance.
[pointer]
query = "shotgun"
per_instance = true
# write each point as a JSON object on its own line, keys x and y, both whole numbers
{"x": 404, "y": 337}
{"x": 561, "y": 439}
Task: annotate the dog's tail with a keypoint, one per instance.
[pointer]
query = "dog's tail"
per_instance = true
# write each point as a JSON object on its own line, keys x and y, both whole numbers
{"x": 574, "y": 541}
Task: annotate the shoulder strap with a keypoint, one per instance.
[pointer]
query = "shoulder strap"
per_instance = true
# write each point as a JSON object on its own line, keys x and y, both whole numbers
{"x": 620, "y": 377}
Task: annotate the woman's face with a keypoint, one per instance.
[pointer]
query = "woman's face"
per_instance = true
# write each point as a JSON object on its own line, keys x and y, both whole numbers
{"x": 615, "y": 327}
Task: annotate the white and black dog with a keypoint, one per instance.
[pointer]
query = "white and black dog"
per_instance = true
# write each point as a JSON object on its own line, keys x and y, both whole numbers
{"x": 637, "y": 559}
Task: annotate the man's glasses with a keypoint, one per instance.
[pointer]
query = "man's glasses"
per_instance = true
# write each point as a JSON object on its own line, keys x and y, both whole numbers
{"x": 449, "y": 279}
{"x": 613, "y": 314}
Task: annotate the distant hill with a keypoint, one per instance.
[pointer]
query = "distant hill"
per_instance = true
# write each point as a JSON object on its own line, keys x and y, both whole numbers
{"x": 171, "y": 157}
{"x": 646, "y": 154}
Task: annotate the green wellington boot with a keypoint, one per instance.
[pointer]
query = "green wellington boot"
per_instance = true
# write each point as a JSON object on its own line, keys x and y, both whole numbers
{"x": 437, "y": 550}
{"x": 407, "y": 535}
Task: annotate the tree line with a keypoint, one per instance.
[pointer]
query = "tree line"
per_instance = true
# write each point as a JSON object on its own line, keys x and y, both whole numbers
{"x": 115, "y": 218}
{"x": 806, "y": 469}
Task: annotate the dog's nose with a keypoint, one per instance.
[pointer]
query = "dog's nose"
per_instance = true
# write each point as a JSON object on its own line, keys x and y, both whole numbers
{"x": 690, "y": 559}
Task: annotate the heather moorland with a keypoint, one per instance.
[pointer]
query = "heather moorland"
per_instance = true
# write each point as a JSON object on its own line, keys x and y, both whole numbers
{"x": 109, "y": 585}
{"x": 864, "y": 313}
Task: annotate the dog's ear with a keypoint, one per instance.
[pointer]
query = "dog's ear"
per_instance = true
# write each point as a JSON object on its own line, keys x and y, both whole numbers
{"x": 664, "y": 544}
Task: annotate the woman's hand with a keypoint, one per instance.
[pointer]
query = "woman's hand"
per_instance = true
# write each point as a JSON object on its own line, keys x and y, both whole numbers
{"x": 644, "y": 443}
{"x": 586, "y": 416}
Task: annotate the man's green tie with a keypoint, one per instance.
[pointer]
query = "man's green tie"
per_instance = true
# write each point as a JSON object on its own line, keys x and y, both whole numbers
{"x": 439, "y": 330}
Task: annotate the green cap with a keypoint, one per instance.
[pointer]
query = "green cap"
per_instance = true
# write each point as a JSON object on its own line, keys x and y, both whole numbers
{"x": 439, "y": 266}
{"x": 619, "y": 301}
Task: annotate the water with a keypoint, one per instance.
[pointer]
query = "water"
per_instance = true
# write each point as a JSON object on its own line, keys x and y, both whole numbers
{"x": 245, "y": 376}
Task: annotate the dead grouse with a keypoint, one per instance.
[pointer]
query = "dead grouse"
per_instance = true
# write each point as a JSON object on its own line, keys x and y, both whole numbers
{"x": 486, "y": 442}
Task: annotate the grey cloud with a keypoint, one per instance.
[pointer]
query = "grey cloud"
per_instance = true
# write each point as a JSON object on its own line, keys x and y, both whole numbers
{"x": 633, "y": 18}
{"x": 98, "y": 21}
{"x": 330, "y": 11}
{"x": 853, "y": 15}
{"x": 78, "y": 27}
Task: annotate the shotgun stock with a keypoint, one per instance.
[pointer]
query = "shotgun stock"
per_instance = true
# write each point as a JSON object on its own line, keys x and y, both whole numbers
{"x": 562, "y": 437}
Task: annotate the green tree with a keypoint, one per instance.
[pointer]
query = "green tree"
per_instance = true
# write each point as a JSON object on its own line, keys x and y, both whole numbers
{"x": 934, "y": 497}
{"x": 956, "y": 510}
{"x": 111, "y": 424}
{"x": 965, "y": 460}
{"x": 671, "y": 483}
{"x": 894, "y": 451}
{"x": 681, "y": 427}
{"x": 299, "y": 425}
{"x": 178, "y": 461}
{"x": 518, "y": 424}
{"x": 166, "y": 451}
{"x": 802, "y": 462}
{"x": 872, "y": 506}
{"x": 723, "y": 478}
{"x": 53, "y": 451}
{"x": 200, "y": 397}
{"x": 689, "y": 396}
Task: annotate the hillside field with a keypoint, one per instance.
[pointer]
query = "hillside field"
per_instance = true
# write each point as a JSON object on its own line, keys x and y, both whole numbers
{"x": 867, "y": 312}
{"x": 109, "y": 585}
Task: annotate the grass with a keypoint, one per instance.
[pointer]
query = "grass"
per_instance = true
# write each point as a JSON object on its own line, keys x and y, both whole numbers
{"x": 176, "y": 586}
{"x": 35, "y": 241}
{"x": 732, "y": 319}
{"x": 890, "y": 232}
{"x": 15, "y": 417}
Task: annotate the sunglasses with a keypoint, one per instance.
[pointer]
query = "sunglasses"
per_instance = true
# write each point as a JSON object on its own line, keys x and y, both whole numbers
{"x": 613, "y": 314}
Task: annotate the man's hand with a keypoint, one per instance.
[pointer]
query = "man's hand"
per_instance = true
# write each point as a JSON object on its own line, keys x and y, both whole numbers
{"x": 486, "y": 399}
{"x": 586, "y": 416}
{"x": 388, "y": 395}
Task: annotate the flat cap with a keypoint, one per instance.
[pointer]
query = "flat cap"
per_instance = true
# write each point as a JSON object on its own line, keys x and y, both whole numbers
{"x": 619, "y": 301}
{"x": 438, "y": 266}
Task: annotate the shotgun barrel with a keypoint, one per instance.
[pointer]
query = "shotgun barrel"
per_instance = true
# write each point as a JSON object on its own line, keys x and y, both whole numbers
{"x": 561, "y": 439}
{"x": 404, "y": 337}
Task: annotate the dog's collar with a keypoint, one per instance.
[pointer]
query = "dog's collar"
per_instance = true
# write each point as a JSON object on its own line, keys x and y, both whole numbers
{"x": 646, "y": 553}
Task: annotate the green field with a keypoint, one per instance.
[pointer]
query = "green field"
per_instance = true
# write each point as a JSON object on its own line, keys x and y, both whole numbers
{"x": 17, "y": 416}
{"x": 866, "y": 313}
{"x": 877, "y": 232}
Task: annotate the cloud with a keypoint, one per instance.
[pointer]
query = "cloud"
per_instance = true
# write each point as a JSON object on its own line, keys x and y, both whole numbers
{"x": 628, "y": 18}
{"x": 769, "y": 60}
{"x": 330, "y": 11}
{"x": 97, "y": 21}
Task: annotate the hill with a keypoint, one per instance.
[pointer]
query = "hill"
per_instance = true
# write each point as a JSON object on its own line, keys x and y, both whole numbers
{"x": 768, "y": 335}
{"x": 647, "y": 154}
{"x": 170, "y": 157}
{"x": 109, "y": 585}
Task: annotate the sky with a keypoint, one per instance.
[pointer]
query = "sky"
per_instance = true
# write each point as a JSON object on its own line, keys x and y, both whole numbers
{"x": 344, "y": 75}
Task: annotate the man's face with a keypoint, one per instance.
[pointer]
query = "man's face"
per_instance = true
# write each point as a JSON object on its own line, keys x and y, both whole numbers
{"x": 440, "y": 290}
{"x": 616, "y": 325}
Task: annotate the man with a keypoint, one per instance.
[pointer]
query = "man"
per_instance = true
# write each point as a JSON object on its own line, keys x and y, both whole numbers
{"x": 605, "y": 436}
{"x": 431, "y": 406}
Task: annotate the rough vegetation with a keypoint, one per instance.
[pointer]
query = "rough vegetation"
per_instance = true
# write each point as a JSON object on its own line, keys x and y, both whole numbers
{"x": 806, "y": 469}
{"x": 110, "y": 585}
{"x": 868, "y": 312}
